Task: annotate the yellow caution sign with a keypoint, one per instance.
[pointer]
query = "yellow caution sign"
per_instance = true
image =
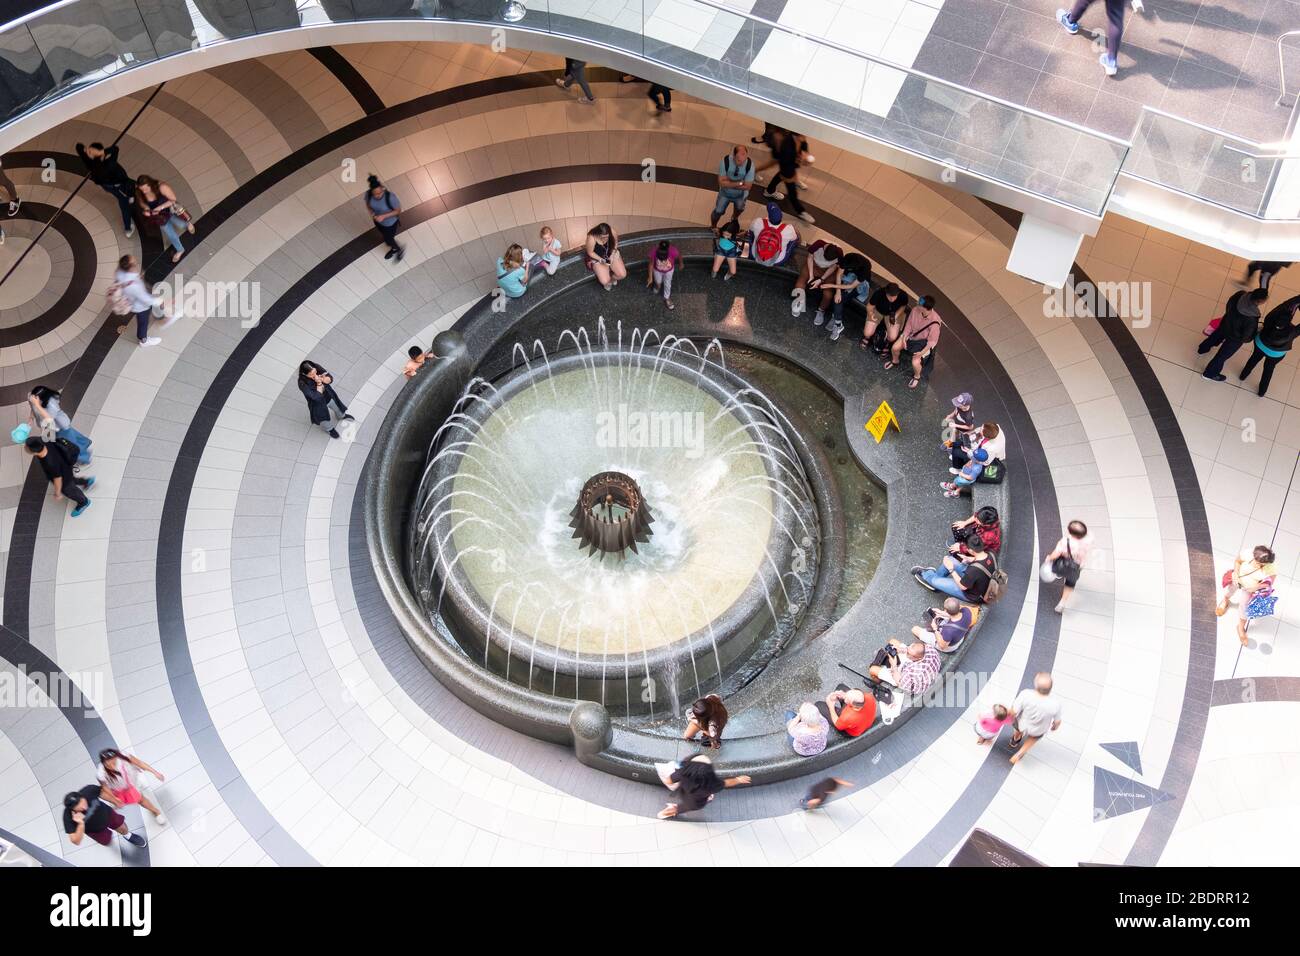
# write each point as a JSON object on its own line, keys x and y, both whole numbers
{"x": 881, "y": 420}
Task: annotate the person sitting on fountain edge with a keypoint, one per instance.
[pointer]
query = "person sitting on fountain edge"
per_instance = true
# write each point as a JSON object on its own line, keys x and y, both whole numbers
{"x": 708, "y": 715}
{"x": 849, "y": 710}
{"x": 911, "y": 668}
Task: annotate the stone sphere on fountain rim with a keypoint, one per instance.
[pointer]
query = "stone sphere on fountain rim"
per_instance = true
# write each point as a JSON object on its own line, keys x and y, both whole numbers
{"x": 592, "y": 727}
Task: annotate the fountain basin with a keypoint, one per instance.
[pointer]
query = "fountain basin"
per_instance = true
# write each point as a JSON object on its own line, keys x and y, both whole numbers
{"x": 731, "y": 561}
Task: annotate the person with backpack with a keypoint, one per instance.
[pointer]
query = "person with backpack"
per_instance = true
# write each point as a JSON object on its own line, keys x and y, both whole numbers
{"x": 107, "y": 173}
{"x": 56, "y": 459}
{"x": 385, "y": 208}
{"x": 885, "y": 311}
{"x": 986, "y": 522}
{"x": 735, "y": 177}
{"x": 919, "y": 336}
{"x": 50, "y": 419}
{"x": 128, "y": 295}
{"x": 974, "y": 578}
{"x": 1274, "y": 341}
{"x": 772, "y": 241}
{"x": 1065, "y": 562}
{"x": 822, "y": 265}
{"x": 1238, "y": 325}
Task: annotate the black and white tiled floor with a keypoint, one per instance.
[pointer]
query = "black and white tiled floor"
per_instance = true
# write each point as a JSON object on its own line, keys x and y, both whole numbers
{"x": 213, "y": 590}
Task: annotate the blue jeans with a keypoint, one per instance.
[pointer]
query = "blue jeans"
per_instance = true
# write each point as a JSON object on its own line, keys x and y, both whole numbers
{"x": 81, "y": 441}
{"x": 172, "y": 229}
{"x": 942, "y": 581}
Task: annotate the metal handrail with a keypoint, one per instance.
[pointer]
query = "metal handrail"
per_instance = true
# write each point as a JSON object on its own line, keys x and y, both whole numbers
{"x": 881, "y": 61}
{"x": 1281, "y": 64}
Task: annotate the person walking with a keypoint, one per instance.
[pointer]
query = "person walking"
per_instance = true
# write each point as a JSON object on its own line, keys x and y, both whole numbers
{"x": 1238, "y": 325}
{"x": 1274, "y": 341}
{"x": 1266, "y": 272}
{"x": 787, "y": 155}
{"x": 384, "y": 208}
{"x": 140, "y": 301}
{"x": 159, "y": 207}
{"x": 696, "y": 783}
{"x": 119, "y": 784}
{"x": 575, "y": 71}
{"x": 56, "y": 459}
{"x": 819, "y": 793}
{"x": 661, "y": 96}
{"x": 1115, "y": 10}
{"x": 1036, "y": 712}
{"x": 106, "y": 172}
{"x": 1067, "y": 559}
{"x": 49, "y": 416}
{"x": 9, "y": 194}
{"x": 663, "y": 264}
{"x": 735, "y": 177}
{"x": 87, "y": 814}
{"x": 317, "y": 386}
{"x": 1251, "y": 582}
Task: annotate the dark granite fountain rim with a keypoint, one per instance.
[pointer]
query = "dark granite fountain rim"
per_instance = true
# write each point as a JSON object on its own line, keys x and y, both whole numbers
{"x": 729, "y": 623}
{"x": 772, "y": 758}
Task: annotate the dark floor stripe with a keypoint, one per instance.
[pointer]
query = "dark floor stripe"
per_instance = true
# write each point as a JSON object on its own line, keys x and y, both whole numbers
{"x": 748, "y": 43}
{"x": 85, "y": 263}
{"x": 1250, "y": 690}
{"x": 44, "y": 857}
{"x": 350, "y": 77}
{"x": 1199, "y": 686}
{"x": 83, "y": 719}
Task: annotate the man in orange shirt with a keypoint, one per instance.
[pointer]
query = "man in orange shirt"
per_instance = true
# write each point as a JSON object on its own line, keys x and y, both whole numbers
{"x": 850, "y": 712}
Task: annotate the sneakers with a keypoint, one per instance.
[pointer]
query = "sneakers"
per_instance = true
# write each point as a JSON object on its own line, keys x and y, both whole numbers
{"x": 917, "y": 573}
{"x": 150, "y": 341}
{"x": 1110, "y": 66}
{"x": 160, "y": 819}
{"x": 136, "y": 839}
{"x": 806, "y": 216}
{"x": 1214, "y": 378}
{"x": 559, "y": 81}
{"x": 334, "y": 433}
{"x": 835, "y": 329}
{"x": 669, "y": 304}
{"x": 819, "y": 318}
{"x": 1063, "y": 18}
{"x": 954, "y": 471}
{"x": 727, "y": 277}
{"x": 401, "y": 252}
{"x": 76, "y": 512}
{"x": 90, "y": 483}
{"x": 169, "y": 321}
{"x": 586, "y": 100}
{"x": 15, "y": 206}
{"x": 390, "y": 253}
{"x": 130, "y": 231}
{"x": 778, "y": 195}
{"x": 1060, "y": 608}
{"x": 349, "y": 418}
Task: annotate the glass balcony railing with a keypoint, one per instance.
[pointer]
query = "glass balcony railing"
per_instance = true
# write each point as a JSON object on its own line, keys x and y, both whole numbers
{"x": 1215, "y": 167}
{"x": 61, "y": 49}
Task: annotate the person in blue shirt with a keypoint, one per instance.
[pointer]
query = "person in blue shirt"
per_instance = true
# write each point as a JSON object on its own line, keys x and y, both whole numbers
{"x": 384, "y": 210}
{"x": 512, "y": 277}
{"x": 735, "y": 177}
{"x": 728, "y": 247}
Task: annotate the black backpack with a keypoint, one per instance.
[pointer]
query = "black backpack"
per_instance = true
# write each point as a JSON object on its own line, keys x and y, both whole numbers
{"x": 997, "y": 581}
{"x": 993, "y": 473}
{"x": 67, "y": 448}
{"x": 729, "y": 164}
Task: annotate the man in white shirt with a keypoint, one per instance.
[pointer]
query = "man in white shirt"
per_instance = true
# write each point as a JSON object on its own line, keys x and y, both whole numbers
{"x": 771, "y": 241}
{"x": 1036, "y": 712}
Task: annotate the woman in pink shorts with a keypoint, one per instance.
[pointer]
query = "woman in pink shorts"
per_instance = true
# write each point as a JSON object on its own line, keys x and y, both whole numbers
{"x": 117, "y": 781}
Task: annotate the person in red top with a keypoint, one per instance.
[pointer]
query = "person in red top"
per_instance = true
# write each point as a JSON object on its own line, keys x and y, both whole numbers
{"x": 850, "y": 712}
{"x": 919, "y": 337}
{"x": 987, "y": 522}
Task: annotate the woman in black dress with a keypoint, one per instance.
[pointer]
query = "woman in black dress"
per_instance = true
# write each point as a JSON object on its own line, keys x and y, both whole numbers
{"x": 697, "y": 782}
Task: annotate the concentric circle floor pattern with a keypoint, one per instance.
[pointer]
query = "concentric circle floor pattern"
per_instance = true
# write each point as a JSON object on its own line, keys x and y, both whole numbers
{"x": 242, "y": 651}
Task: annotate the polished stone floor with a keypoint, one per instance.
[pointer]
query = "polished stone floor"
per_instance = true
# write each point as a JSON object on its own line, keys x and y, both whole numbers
{"x": 214, "y": 601}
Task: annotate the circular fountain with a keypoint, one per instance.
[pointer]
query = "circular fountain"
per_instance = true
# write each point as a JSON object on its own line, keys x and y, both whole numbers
{"x": 687, "y": 560}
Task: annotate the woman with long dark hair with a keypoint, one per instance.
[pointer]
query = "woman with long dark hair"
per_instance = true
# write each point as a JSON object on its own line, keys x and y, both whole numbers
{"x": 158, "y": 204}
{"x": 47, "y": 415}
{"x": 317, "y": 386}
{"x": 602, "y": 255}
{"x": 118, "y": 775}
